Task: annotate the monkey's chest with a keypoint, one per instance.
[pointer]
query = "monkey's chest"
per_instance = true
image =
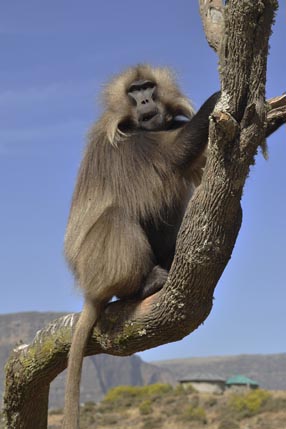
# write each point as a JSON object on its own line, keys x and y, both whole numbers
{"x": 145, "y": 181}
{"x": 156, "y": 190}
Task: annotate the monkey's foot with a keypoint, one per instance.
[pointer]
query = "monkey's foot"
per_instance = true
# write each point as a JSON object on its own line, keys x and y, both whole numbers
{"x": 154, "y": 282}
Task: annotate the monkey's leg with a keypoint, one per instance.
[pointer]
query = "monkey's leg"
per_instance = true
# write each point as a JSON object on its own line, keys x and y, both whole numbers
{"x": 154, "y": 282}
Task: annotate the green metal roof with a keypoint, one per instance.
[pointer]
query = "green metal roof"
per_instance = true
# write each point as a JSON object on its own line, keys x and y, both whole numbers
{"x": 241, "y": 379}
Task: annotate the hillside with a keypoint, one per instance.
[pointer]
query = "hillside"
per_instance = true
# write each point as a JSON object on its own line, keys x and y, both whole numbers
{"x": 268, "y": 370}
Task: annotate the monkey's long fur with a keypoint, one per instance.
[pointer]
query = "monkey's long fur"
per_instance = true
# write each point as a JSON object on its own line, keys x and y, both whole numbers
{"x": 138, "y": 172}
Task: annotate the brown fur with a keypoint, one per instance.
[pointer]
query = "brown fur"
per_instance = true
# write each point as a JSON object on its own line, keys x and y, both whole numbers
{"x": 130, "y": 196}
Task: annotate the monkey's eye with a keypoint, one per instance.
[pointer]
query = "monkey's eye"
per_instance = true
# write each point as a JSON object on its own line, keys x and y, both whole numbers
{"x": 141, "y": 85}
{"x": 148, "y": 85}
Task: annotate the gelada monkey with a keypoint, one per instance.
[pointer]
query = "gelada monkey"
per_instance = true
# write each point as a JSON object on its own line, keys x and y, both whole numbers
{"x": 142, "y": 162}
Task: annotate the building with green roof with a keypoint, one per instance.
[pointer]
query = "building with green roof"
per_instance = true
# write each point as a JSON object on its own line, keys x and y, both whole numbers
{"x": 240, "y": 382}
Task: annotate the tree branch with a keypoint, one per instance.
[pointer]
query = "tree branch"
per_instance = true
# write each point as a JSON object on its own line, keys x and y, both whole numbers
{"x": 276, "y": 115}
{"x": 205, "y": 241}
{"x": 213, "y": 22}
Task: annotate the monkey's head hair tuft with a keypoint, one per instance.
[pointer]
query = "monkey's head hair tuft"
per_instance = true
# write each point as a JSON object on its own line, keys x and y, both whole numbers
{"x": 117, "y": 103}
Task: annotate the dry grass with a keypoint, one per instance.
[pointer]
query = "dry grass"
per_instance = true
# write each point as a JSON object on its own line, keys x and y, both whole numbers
{"x": 163, "y": 407}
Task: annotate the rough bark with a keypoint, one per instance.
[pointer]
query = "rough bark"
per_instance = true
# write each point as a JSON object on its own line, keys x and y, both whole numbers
{"x": 276, "y": 114}
{"x": 212, "y": 15}
{"x": 206, "y": 238}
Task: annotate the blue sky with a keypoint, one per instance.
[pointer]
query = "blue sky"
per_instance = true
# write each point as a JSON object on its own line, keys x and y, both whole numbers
{"x": 55, "y": 57}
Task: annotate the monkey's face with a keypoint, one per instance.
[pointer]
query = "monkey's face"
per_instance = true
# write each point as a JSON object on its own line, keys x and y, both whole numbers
{"x": 148, "y": 112}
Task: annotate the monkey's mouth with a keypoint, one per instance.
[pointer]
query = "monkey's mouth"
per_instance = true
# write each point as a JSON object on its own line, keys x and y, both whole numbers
{"x": 151, "y": 121}
{"x": 148, "y": 116}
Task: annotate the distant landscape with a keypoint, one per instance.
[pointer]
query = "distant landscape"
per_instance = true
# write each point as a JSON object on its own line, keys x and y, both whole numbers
{"x": 161, "y": 406}
{"x": 268, "y": 370}
{"x": 103, "y": 372}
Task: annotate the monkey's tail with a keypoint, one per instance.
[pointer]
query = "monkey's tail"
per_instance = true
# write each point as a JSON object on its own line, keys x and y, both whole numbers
{"x": 86, "y": 321}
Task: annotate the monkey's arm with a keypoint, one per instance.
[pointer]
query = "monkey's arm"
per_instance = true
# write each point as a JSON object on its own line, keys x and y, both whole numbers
{"x": 192, "y": 139}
